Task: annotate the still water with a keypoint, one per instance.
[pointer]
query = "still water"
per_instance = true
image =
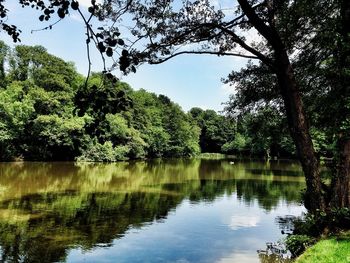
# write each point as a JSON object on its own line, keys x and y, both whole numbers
{"x": 194, "y": 210}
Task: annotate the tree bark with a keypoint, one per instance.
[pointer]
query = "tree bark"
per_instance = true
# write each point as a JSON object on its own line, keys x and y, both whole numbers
{"x": 296, "y": 117}
{"x": 299, "y": 129}
{"x": 341, "y": 178}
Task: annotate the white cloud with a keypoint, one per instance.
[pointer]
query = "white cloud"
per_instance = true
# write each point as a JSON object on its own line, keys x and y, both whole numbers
{"x": 241, "y": 221}
{"x": 228, "y": 89}
{"x": 239, "y": 257}
{"x": 222, "y": 4}
{"x": 88, "y": 2}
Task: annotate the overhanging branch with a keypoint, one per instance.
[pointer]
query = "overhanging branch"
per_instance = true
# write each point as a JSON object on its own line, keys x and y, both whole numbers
{"x": 201, "y": 53}
{"x": 245, "y": 46}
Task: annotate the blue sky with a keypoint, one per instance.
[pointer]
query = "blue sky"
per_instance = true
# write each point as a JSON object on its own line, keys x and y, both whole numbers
{"x": 189, "y": 80}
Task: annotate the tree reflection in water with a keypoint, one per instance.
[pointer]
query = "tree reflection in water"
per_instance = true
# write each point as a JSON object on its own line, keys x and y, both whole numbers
{"x": 46, "y": 209}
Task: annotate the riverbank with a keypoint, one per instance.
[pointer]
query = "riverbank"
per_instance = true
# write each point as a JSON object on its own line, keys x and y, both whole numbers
{"x": 331, "y": 250}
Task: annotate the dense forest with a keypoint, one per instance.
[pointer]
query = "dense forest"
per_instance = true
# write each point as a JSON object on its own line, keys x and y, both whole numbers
{"x": 48, "y": 113}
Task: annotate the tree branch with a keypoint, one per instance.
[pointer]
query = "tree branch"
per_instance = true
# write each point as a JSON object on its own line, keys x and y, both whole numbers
{"x": 267, "y": 32}
{"x": 236, "y": 39}
{"x": 236, "y": 19}
{"x": 88, "y": 56}
{"x": 47, "y": 27}
{"x": 201, "y": 53}
{"x": 91, "y": 35}
{"x": 244, "y": 45}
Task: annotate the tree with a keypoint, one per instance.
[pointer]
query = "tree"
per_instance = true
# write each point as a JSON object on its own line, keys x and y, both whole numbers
{"x": 107, "y": 40}
{"x": 168, "y": 27}
{"x": 322, "y": 76}
{"x": 184, "y": 133}
{"x": 3, "y": 53}
{"x": 216, "y": 129}
{"x": 341, "y": 182}
{"x": 16, "y": 109}
{"x": 38, "y": 105}
{"x": 59, "y": 138}
{"x": 265, "y": 133}
{"x": 99, "y": 120}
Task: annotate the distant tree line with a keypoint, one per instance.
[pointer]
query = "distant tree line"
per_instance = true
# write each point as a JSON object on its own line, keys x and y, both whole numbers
{"x": 48, "y": 113}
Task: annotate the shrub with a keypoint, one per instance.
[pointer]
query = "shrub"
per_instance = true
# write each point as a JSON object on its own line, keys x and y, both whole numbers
{"x": 237, "y": 145}
{"x": 97, "y": 152}
{"x": 309, "y": 228}
{"x": 297, "y": 244}
{"x": 323, "y": 223}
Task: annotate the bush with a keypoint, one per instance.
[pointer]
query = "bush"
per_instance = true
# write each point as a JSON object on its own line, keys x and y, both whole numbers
{"x": 237, "y": 145}
{"x": 121, "y": 153}
{"x": 137, "y": 146}
{"x": 323, "y": 223}
{"x": 309, "y": 228}
{"x": 97, "y": 152}
{"x": 297, "y": 244}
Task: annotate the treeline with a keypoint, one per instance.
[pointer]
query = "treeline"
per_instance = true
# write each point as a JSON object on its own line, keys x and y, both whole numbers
{"x": 260, "y": 133}
{"x": 48, "y": 113}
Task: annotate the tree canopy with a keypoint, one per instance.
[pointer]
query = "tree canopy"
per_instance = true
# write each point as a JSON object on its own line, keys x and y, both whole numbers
{"x": 43, "y": 97}
{"x": 46, "y": 99}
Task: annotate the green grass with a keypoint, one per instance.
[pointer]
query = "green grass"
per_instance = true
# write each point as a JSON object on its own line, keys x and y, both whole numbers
{"x": 331, "y": 250}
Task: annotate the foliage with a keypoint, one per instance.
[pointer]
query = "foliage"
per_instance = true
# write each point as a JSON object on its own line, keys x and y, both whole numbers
{"x": 46, "y": 99}
{"x": 323, "y": 223}
{"x": 97, "y": 152}
{"x": 3, "y": 53}
{"x": 16, "y": 110}
{"x": 297, "y": 244}
{"x": 238, "y": 144}
{"x": 261, "y": 132}
{"x": 216, "y": 129}
{"x": 312, "y": 226}
{"x": 58, "y": 137}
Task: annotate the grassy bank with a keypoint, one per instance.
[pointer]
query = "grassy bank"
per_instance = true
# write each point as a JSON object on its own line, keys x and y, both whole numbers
{"x": 330, "y": 250}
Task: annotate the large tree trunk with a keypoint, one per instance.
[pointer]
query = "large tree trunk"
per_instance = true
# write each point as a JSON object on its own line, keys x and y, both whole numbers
{"x": 297, "y": 121}
{"x": 341, "y": 178}
{"x": 299, "y": 130}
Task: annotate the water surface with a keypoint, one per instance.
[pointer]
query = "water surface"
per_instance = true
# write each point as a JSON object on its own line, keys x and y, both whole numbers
{"x": 156, "y": 211}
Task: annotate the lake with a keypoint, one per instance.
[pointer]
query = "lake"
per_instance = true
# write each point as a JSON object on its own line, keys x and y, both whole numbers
{"x": 178, "y": 210}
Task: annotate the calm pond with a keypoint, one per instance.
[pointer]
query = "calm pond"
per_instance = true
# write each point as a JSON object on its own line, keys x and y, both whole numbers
{"x": 196, "y": 210}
